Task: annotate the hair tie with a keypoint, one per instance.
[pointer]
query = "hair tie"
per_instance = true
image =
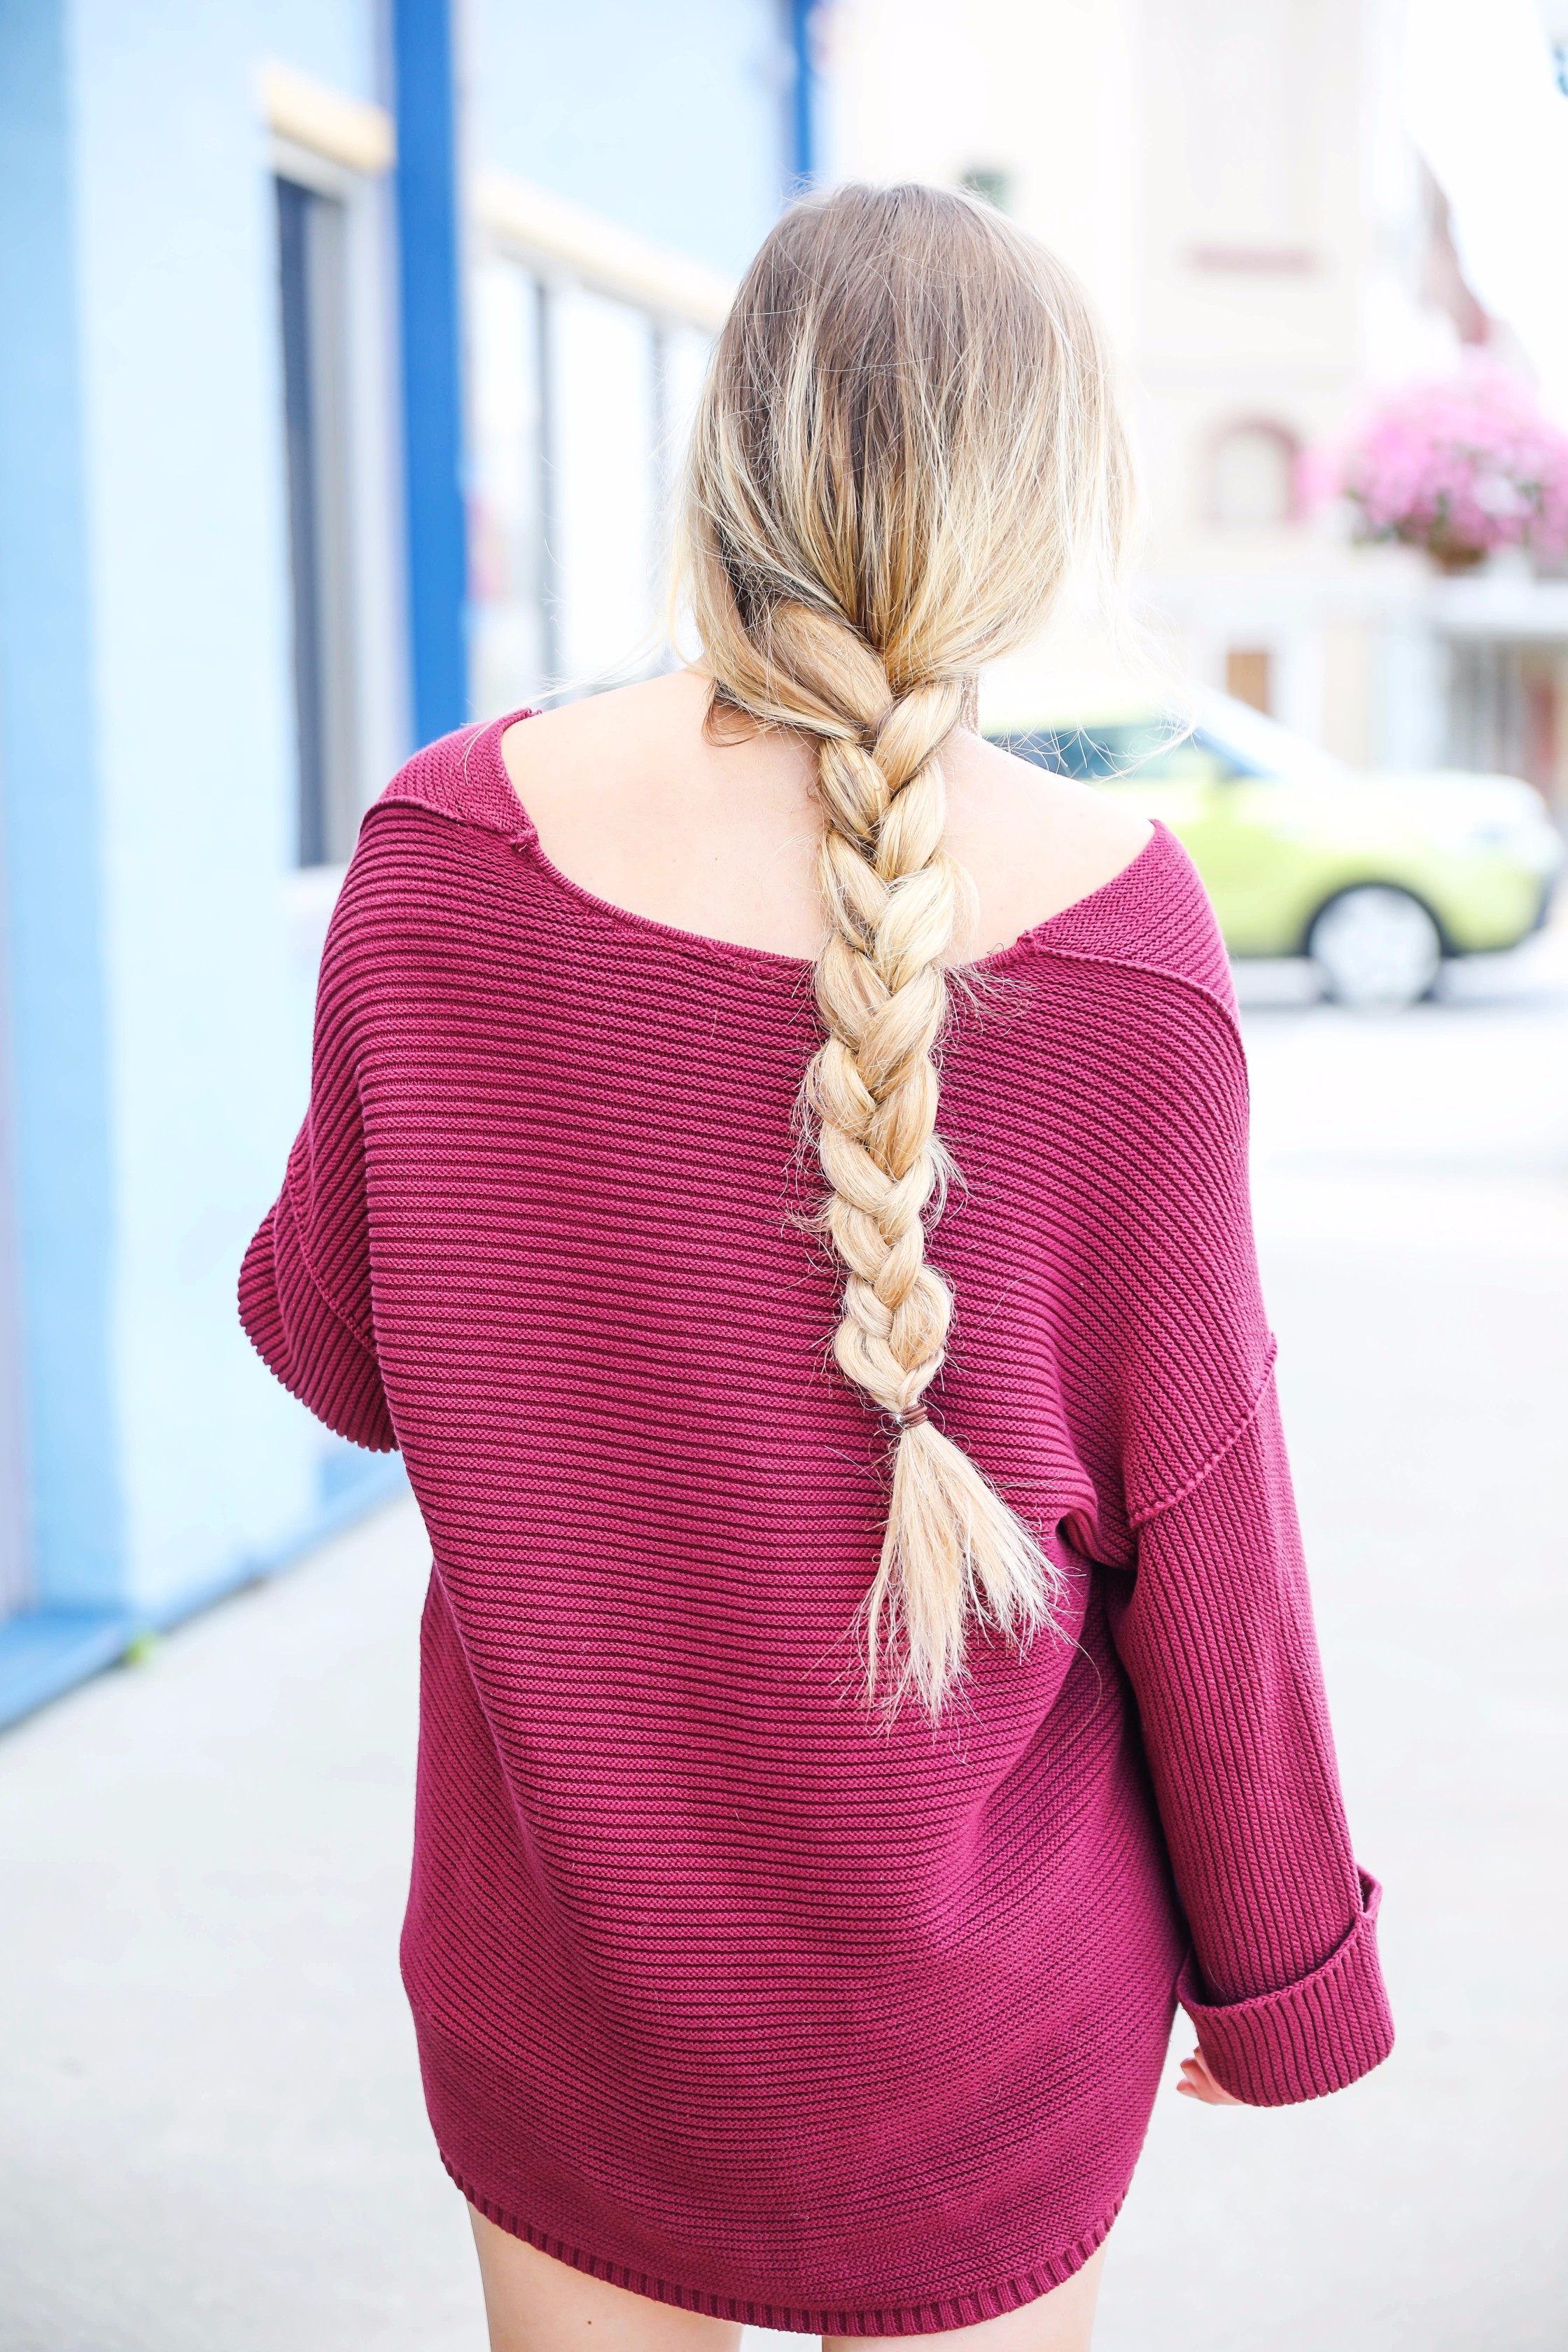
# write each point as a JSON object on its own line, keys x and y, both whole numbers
{"x": 910, "y": 1420}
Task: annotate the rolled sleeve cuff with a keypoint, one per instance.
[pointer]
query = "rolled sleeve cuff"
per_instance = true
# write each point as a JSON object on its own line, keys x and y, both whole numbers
{"x": 1310, "y": 2038}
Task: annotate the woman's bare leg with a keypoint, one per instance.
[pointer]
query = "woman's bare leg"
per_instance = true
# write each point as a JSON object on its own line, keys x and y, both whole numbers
{"x": 534, "y": 2304}
{"x": 1062, "y": 2321}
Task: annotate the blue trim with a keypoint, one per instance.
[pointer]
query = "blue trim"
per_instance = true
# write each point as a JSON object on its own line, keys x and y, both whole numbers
{"x": 431, "y": 333}
{"x": 57, "y": 1054}
{"x": 802, "y": 93}
{"x": 45, "y": 1653}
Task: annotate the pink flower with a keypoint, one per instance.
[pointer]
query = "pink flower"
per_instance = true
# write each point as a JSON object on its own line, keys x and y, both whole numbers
{"x": 1459, "y": 466}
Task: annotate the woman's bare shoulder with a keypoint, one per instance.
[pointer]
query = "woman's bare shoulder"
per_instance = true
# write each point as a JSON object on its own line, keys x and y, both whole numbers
{"x": 559, "y": 749}
{"x": 1034, "y": 841}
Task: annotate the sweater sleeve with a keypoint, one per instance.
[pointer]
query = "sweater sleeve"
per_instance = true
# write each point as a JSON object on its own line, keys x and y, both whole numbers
{"x": 1214, "y": 1624}
{"x": 1282, "y": 1982}
{"x": 305, "y": 1292}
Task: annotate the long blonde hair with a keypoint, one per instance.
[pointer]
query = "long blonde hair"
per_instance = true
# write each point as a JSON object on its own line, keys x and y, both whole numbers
{"x": 905, "y": 445}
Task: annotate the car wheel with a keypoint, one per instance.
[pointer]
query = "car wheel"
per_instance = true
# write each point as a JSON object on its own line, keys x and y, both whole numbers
{"x": 1377, "y": 948}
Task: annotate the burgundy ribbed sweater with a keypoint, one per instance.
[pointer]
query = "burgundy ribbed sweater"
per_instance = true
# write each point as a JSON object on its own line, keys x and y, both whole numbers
{"x": 724, "y": 1993}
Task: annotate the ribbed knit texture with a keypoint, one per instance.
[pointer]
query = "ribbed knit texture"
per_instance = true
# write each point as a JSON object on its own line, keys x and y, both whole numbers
{"x": 724, "y": 1991}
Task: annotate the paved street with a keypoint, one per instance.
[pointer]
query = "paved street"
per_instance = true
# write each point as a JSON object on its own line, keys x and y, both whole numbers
{"x": 211, "y": 2136}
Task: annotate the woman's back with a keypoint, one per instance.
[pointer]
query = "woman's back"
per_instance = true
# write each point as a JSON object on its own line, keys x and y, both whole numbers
{"x": 868, "y": 1673}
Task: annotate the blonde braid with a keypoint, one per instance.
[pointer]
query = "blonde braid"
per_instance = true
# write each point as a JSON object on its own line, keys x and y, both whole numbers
{"x": 952, "y": 1547}
{"x": 905, "y": 441}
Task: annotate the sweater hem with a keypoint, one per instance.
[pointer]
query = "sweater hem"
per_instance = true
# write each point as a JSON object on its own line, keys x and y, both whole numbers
{"x": 933, "y": 2316}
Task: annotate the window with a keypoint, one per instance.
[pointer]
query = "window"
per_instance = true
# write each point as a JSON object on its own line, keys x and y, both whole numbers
{"x": 513, "y": 612}
{"x": 1144, "y": 751}
{"x": 1252, "y": 477}
{"x": 582, "y": 402}
{"x": 988, "y": 180}
{"x": 311, "y": 253}
{"x": 1249, "y": 675}
{"x": 1507, "y": 710}
{"x": 603, "y": 485}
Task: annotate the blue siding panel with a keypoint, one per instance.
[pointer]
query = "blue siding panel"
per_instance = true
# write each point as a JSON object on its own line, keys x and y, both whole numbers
{"x": 431, "y": 333}
{"x": 802, "y": 93}
{"x": 45, "y": 1652}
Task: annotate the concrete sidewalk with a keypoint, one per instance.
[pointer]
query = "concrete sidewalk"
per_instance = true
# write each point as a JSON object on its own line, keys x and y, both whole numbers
{"x": 211, "y": 2132}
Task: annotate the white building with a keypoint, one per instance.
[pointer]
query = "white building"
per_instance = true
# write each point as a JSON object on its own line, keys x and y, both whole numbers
{"x": 1232, "y": 180}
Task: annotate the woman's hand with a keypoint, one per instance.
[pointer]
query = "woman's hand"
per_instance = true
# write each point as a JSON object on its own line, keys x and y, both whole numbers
{"x": 1197, "y": 2082}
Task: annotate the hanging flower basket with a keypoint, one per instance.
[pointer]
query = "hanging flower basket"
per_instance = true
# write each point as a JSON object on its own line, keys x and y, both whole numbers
{"x": 1457, "y": 469}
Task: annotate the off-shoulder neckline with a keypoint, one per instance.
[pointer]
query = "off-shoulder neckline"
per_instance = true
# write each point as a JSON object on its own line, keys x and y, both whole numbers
{"x": 490, "y": 796}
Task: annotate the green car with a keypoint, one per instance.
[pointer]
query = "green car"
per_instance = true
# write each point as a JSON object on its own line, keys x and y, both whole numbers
{"x": 1376, "y": 878}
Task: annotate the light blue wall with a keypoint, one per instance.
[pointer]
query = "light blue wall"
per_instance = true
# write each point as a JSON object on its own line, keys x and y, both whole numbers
{"x": 194, "y": 744}
{"x": 148, "y": 764}
{"x": 55, "y": 987}
{"x": 147, "y": 761}
{"x": 667, "y": 119}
